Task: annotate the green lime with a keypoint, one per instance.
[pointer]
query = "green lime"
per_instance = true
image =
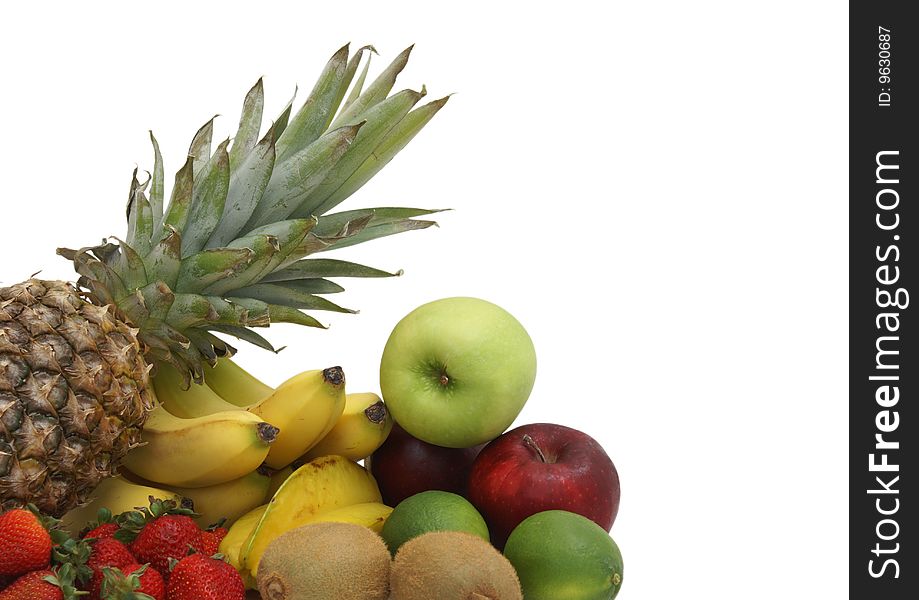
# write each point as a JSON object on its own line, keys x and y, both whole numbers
{"x": 431, "y": 511}
{"x": 560, "y": 555}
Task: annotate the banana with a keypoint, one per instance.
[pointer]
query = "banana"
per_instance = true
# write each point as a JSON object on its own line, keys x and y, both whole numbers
{"x": 305, "y": 408}
{"x": 361, "y": 429}
{"x": 277, "y": 478}
{"x": 202, "y": 451}
{"x": 237, "y": 536}
{"x": 371, "y": 515}
{"x": 236, "y": 385}
{"x": 228, "y": 500}
{"x": 116, "y": 494}
{"x": 196, "y": 401}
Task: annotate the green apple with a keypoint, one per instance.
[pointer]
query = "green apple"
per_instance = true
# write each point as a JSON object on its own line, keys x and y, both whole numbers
{"x": 456, "y": 372}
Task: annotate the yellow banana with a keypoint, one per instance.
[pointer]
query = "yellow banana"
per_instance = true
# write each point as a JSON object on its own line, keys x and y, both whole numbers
{"x": 202, "y": 451}
{"x": 361, "y": 429}
{"x": 371, "y": 515}
{"x": 324, "y": 484}
{"x": 236, "y": 385}
{"x": 305, "y": 408}
{"x": 277, "y": 478}
{"x": 228, "y": 500}
{"x": 116, "y": 494}
{"x": 236, "y": 537}
{"x": 196, "y": 401}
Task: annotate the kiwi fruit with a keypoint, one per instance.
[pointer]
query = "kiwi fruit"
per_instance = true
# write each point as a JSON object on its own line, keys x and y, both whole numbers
{"x": 325, "y": 560}
{"x": 452, "y": 565}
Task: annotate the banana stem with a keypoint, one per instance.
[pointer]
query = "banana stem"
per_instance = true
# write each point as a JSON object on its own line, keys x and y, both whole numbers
{"x": 267, "y": 432}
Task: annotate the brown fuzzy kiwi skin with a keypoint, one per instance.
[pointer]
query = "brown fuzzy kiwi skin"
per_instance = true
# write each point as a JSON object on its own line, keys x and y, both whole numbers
{"x": 452, "y": 565}
{"x": 320, "y": 561}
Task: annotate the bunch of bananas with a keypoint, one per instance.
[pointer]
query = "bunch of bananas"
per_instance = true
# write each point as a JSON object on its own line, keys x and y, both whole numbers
{"x": 229, "y": 444}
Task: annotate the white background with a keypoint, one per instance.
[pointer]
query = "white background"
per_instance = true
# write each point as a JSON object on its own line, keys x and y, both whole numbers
{"x": 656, "y": 190}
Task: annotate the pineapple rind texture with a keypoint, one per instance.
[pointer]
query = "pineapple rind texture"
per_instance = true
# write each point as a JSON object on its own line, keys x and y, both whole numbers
{"x": 74, "y": 395}
{"x": 227, "y": 252}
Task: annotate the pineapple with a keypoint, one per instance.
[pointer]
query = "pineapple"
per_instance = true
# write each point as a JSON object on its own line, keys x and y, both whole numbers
{"x": 226, "y": 254}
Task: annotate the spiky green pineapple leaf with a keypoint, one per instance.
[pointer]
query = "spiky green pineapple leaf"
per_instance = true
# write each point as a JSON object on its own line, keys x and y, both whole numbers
{"x": 130, "y": 266}
{"x": 313, "y": 117}
{"x": 325, "y": 267}
{"x": 133, "y": 304}
{"x": 94, "y": 269}
{"x": 164, "y": 260}
{"x": 208, "y": 199}
{"x": 286, "y": 314}
{"x": 379, "y": 231}
{"x": 263, "y": 247}
{"x": 359, "y": 84}
{"x": 180, "y": 201}
{"x": 296, "y": 178}
{"x": 158, "y": 298}
{"x": 285, "y": 295}
{"x": 157, "y": 186}
{"x": 190, "y": 310}
{"x": 200, "y": 147}
{"x": 229, "y": 313}
{"x": 289, "y": 235}
{"x": 380, "y": 119}
{"x": 209, "y": 266}
{"x": 314, "y": 285}
{"x": 250, "y": 121}
{"x": 140, "y": 223}
{"x": 247, "y": 186}
{"x": 331, "y": 224}
{"x": 280, "y": 124}
{"x": 209, "y": 346}
{"x": 246, "y": 335}
{"x": 313, "y": 243}
{"x": 397, "y": 139}
{"x": 376, "y": 92}
{"x": 257, "y": 314}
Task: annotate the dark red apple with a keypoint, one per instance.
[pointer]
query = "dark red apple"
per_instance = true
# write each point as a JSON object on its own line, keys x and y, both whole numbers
{"x": 541, "y": 467}
{"x": 404, "y": 466}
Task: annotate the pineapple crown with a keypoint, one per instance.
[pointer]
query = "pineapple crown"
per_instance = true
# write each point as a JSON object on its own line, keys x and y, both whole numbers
{"x": 227, "y": 252}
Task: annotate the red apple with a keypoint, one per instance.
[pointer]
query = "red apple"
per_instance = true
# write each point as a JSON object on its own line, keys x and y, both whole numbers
{"x": 541, "y": 467}
{"x": 404, "y": 466}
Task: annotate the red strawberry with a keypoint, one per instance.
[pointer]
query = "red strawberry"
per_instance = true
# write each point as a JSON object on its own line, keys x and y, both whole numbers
{"x": 210, "y": 540}
{"x": 159, "y": 533}
{"x": 169, "y": 536}
{"x": 200, "y": 577}
{"x": 103, "y": 526}
{"x": 106, "y": 552}
{"x": 43, "y": 585}
{"x": 131, "y": 580}
{"x": 32, "y": 586}
{"x": 25, "y": 542}
{"x": 106, "y": 530}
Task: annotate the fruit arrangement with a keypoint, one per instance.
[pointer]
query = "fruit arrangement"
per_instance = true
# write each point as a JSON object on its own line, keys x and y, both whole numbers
{"x": 139, "y": 460}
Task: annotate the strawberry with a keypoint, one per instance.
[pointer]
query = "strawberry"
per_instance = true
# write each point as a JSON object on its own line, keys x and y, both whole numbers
{"x": 200, "y": 577}
{"x": 210, "y": 540}
{"x": 43, "y": 584}
{"x": 159, "y": 533}
{"x": 106, "y": 530}
{"x": 103, "y": 526}
{"x": 25, "y": 541}
{"x": 106, "y": 552}
{"x": 132, "y": 580}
